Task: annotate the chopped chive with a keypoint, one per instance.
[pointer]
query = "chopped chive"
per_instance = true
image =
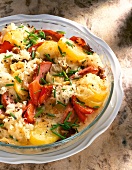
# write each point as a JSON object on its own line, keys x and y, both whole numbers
{"x": 54, "y": 126}
{"x": 62, "y": 137}
{"x": 1, "y": 106}
{"x": 41, "y": 34}
{"x": 37, "y": 91}
{"x": 53, "y": 80}
{"x": 12, "y": 115}
{"x": 96, "y": 107}
{"x": 48, "y": 58}
{"x": 88, "y": 52}
{"x": 9, "y": 85}
{"x": 54, "y": 90}
{"x": 43, "y": 81}
{"x": 66, "y": 119}
{"x": 21, "y": 26}
{"x": 58, "y": 102}
{"x": 63, "y": 89}
{"x": 24, "y": 89}
{"x": 11, "y": 136}
{"x": 50, "y": 114}
{"x": 1, "y": 124}
{"x": 29, "y": 45}
{"x": 62, "y": 53}
{"x": 18, "y": 97}
{"x": 70, "y": 44}
{"x": 8, "y": 56}
{"x": 33, "y": 54}
{"x": 40, "y": 110}
{"x": 59, "y": 74}
{"x": 18, "y": 79}
{"x": 61, "y": 32}
{"x": 65, "y": 75}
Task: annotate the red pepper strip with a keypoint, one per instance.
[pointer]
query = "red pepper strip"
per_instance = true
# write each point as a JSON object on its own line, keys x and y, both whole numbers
{"x": 78, "y": 40}
{"x": 5, "y": 99}
{"x": 41, "y": 70}
{"x": 34, "y": 91}
{"x": 55, "y": 35}
{"x": 67, "y": 110}
{"x": 5, "y": 46}
{"x": 45, "y": 93}
{"x": 89, "y": 69}
{"x": 30, "y": 112}
{"x": 81, "y": 110}
{"x": 34, "y": 47}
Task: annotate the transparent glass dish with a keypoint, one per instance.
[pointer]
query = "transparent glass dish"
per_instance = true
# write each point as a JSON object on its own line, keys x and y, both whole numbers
{"x": 111, "y": 107}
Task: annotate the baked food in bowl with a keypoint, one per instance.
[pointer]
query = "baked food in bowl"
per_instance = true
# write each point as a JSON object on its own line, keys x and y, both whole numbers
{"x": 58, "y": 90}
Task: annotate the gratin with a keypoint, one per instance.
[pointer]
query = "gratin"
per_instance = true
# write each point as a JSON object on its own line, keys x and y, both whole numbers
{"x": 51, "y": 86}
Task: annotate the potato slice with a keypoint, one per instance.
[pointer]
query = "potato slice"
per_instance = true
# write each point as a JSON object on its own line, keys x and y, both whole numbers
{"x": 73, "y": 51}
{"x": 14, "y": 37}
{"x": 17, "y": 66}
{"x": 48, "y": 47}
{"x": 92, "y": 90}
{"x": 41, "y": 135}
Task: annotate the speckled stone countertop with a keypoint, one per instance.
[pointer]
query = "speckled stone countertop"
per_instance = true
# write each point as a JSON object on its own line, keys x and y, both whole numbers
{"x": 111, "y": 20}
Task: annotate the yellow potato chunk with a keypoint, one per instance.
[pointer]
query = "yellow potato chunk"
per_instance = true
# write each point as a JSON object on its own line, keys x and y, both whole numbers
{"x": 92, "y": 90}
{"x": 14, "y": 37}
{"x": 73, "y": 51}
{"x": 17, "y": 66}
{"x": 42, "y": 135}
{"x": 48, "y": 47}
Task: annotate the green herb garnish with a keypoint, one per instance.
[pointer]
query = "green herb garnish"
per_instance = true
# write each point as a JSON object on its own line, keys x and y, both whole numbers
{"x": 33, "y": 54}
{"x": 48, "y": 58}
{"x": 62, "y": 53}
{"x": 41, "y": 34}
{"x": 61, "y": 32}
{"x": 70, "y": 44}
{"x": 54, "y": 90}
{"x": 62, "y": 137}
{"x": 88, "y": 52}
{"x": 40, "y": 110}
{"x": 24, "y": 89}
{"x": 8, "y": 56}
{"x": 43, "y": 81}
{"x": 96, "y": 107}
{"x": 1, "y": 106}
{"x": 50, "y": 114}
{"x": 18, "y": 79}
{"x": 9, "y": 85}
{"x": 1, "y": 124}
{"x": 58, "y": 102}
{"x": 12, "y": 115}
{"x": 21, "y": 26}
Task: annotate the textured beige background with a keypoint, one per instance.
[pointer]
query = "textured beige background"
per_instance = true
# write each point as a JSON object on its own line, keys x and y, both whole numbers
{"x": 111, "y": 20}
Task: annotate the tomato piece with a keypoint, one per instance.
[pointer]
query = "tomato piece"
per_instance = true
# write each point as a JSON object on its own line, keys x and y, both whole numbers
{"x": 54, "y": 35}
{"x": 30, "y": 112}
{"x": 5, "y": 46}
{"x": 41, "y": 70}
{"x": 34, "y": 47}
{"x": 45, "y": 93}
{"x": 5, "y": 99}
{"x": 67, "y": 110}
{"x": 34, "y": 91}
{"x": 78, "y": 40}
{"x": 81, "y": 110}
{"x": 89, "y": 69}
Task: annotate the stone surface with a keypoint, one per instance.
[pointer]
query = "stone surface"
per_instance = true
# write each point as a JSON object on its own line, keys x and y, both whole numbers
{"x": 111, "y": 20}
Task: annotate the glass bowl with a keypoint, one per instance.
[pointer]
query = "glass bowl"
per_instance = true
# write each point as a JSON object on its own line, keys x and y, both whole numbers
{"x": 111, "y": 106}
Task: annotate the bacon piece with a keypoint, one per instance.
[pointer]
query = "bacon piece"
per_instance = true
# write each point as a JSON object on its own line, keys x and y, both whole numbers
{"x": 5, "y": 99}
{"x": 5, "y": 46}
{"x": 45, "y": 93}
{"x": 34, "y": 47}
{"x": 89, "y": 69}
{"x": 41, "y": 70}
{"x": 30, "y": 113}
